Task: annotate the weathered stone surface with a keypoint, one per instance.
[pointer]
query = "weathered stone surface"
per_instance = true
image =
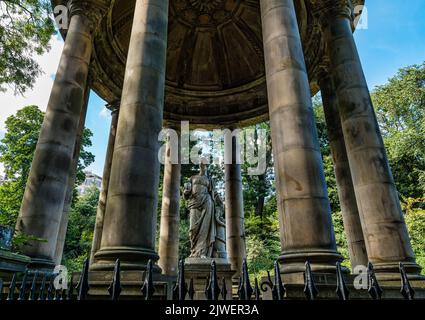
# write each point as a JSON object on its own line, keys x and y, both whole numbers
{"x": 131, "y": 284}
{"x": 100, "y": 213}
{"x": 45, "y": 193}
{"x": 235, "y": 221}
{"x": 303, "y": 204}
{"x": 60, "y": 242}
{"x": 170, "y": 217}
{"x": 347, "y": 197}
{"x": 199, "y": 269}
{"x": 130, "y": 218}
{"x": 384, "y": 229}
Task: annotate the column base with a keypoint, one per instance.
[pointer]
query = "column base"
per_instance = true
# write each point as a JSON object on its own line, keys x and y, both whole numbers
{"x": 389, "y": 273}
{"x": 322, "y": 262}
{"x": 132, "y": 258}
{"x": 394, "y": 267}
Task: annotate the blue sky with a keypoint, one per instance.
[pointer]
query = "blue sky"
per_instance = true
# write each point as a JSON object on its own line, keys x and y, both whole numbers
{"x": 395, "y": 38}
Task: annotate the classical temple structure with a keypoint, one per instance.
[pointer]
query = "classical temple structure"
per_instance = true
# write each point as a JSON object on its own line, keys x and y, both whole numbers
{"x": 216, "y": 64}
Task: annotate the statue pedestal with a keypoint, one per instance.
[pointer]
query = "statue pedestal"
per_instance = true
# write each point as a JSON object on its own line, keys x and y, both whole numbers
{"x": 199, "y": 270}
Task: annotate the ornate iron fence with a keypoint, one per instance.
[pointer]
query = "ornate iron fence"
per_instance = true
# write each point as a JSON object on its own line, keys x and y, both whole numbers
{"x": 40, "y": 286}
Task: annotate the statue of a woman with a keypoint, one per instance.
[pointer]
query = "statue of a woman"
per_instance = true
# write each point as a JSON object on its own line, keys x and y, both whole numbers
{"x": 203, "y": 221}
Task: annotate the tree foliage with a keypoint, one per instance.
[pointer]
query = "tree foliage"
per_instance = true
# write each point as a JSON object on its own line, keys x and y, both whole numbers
{"x": 16, "y": 153}
{"x": 25, "y": 30}
{"x": 400, "y": 108}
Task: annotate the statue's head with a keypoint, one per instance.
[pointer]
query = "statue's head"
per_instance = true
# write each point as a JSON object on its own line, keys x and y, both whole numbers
{"x": 203, "y": 166}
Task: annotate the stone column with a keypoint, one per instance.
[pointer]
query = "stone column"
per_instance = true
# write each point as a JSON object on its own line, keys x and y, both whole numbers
{"x": 130, "y": 217}
{"x": 100, "y": 213}
{"x": 234, "y": 210}
{"x": 347, "y": 197}
{"x": 305, "y": 218}
{"x": 71, "y": 180}
{"x": 170, "y": 212}
{"x": 45, "y": 193}
{"x": 384, "y": 229}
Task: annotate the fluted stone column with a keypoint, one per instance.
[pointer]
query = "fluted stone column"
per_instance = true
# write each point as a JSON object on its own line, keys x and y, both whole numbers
{"x": 100, "y": 213}
{"x": 130, "y": 217}
{"x": 347, "y": 197}
{"x": 305, "y": 219}
{"x": 384, "y": 229}
{"x": 235, "y": 217}
{"x": 170, "y": 214}
{"x": 45, "y": 193}
{"x": 71, "y": 180}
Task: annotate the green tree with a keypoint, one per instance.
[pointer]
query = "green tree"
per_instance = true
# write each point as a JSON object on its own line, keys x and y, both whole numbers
{"x": 400, "y": 109}
{"x": 262, "y": 239}
{"x": 415, "y": 220}
{"x": 25, "y": 29}
{"x": 16, "y": 153}
{"x": 79, "y": 235}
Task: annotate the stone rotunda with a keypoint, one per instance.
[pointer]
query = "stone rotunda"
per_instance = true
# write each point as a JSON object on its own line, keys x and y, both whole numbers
{"x": 216, "y": 64}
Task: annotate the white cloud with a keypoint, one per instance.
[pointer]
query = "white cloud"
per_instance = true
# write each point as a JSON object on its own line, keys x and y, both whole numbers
{"x": 39, "y": 95}
{"x": 105, "y": 113}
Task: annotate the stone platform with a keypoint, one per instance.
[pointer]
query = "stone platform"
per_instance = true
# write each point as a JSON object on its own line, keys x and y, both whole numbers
{"x": 327, "y": 292}
{"x": 11, "y": 263}
{"x": 131, "y": 283}
{"x": 326, "y": 285}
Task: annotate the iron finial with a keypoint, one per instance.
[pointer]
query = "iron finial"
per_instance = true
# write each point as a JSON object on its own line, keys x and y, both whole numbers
{"x": 148, "y": 287}
{"x": 83, "y": 284}
{"x": 406, "y": 289}
{"x": 310, "y": 289}
{"x": 115, "y": 287}
{"x": 341, "y": 287}
{"x": 373, "y": 287}
{"x": 278, "y": 289}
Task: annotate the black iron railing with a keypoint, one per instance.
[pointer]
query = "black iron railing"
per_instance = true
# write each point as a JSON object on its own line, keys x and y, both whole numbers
{"x": 40, "y": 286}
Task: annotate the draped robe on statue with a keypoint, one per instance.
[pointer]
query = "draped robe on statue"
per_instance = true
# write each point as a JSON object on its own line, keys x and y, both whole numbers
{"x": 202, "y": 217}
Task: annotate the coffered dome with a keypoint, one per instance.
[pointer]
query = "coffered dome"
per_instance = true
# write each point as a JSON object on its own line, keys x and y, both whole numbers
{"x": 215, "y": 62}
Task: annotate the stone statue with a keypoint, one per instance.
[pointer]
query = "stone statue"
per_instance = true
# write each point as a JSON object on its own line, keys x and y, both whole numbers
{"x": 207, "y": 227}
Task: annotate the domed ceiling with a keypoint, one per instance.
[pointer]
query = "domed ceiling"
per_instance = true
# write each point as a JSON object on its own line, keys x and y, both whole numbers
{"x": 215, "y": 62}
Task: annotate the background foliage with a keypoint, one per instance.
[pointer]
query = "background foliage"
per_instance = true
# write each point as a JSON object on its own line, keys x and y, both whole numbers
{"x": 25, "y": 28}
{"x": 16, "y": 152}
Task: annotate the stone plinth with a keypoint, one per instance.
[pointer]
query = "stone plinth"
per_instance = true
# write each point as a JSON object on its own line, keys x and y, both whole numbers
{"x": 327, "y": 292}
{"x": 326, "y": 285}
{"x": 386, "y": 279}
{"x": 199, "y": 270}
{"x": 11, "y": 263}
{"x": 131, "y": 283}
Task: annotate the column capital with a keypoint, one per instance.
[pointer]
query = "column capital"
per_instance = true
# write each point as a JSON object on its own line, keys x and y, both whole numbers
{"x": 113, "y": 106}
{"x": 93, "y": 10}
{"x": 335, "y": 8}
{"x": 324, "y": 69}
